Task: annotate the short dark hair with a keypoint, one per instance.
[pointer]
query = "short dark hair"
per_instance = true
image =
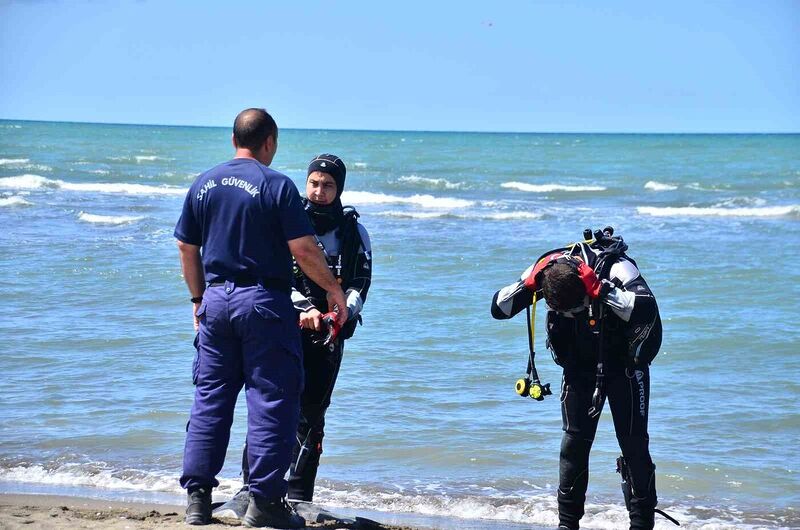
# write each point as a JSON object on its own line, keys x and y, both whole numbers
{"x": 252, "y": 127}
{"x": 562, "y": 286}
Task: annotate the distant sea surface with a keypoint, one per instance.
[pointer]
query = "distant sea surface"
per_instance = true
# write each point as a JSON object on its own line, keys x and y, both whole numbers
{"x": 96, "y": 335}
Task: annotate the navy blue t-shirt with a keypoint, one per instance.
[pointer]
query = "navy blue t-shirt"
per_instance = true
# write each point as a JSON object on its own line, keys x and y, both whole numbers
{"x": 242, "y": 213}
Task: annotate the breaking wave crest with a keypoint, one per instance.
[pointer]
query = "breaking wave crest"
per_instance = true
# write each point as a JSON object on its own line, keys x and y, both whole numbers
{"x": 491, "y": 216}
{"x": 37, "y": 182}
{"x": 548, "y": 188}
{"x": 108, "y": 219}
{"x": 659, "y": 186}
{"x": 431, "y": 183}
{"x": 13, "y": 161}
{"x": 695, "y": 211}
{"x": 426, "y": 201}
{"x": 14, "y": 200}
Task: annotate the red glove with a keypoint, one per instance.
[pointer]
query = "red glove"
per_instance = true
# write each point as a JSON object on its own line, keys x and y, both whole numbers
{"x": 589, "y": 279}
{"x": 333, "y": 327}
{"x": 595, "y": 287}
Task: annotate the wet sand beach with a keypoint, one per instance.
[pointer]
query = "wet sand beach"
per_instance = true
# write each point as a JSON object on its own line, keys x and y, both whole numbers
{"x": 53, "y": 511}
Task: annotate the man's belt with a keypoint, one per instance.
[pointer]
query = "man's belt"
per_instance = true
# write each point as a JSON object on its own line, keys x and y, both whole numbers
{"x": 247, "y": 280}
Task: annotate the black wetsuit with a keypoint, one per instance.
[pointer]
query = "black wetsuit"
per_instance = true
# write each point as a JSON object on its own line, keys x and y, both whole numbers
{"x": 631, "y": 339}
{"x": 349, "y": 255}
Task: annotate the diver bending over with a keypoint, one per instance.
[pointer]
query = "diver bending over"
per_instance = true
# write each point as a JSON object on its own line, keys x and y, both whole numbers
{"x": 604, "y": 332}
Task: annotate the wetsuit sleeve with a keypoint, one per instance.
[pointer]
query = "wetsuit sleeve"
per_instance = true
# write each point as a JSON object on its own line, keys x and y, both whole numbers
{"x": 188, "y": 229}
{"x": 362, "y": 278}
{"x": 300, "y": 302}
{"x": 634, "y": 303}
{"x": 512, "y": 298}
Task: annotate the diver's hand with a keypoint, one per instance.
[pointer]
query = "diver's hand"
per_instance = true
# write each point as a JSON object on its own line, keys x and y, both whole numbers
{"x": 333, "y": 326}
{"x": 311, "y": 320}
{"x": 337, "y": 302}
{"x": 595, "y": 287}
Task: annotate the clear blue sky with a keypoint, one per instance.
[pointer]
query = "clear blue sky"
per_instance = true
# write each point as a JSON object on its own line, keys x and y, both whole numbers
{"x": 681, "y": 66}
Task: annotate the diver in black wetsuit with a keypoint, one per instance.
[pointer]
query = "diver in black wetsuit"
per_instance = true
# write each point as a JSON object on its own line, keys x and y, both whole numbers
{"x": 615, "y": 321}
{"x": 346, "y": 245}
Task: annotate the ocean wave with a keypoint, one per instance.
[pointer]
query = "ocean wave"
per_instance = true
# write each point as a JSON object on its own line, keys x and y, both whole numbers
{"x": 426, "y": 201}
{"x": 13, "y": 161}
{"x": 658, "y": 186}
{"x": 14, "y": 200}
{"x": 529, "y": 507}
{"x": 108, "y": 219}
{"x": 538, "y": 509}
{"x": 37, "y": 167}
{"x": 36, "y": 182}
{"x": 492, "y": 216}
{"x": 502, "y": 216}
{"x": 360, "y": 165}
{"x": 548, "y": 188}
{"x": 418, "y": 215}
{"x": 102, "y": 475}
{"x": 100, "y": 171}
{"x": 694, "y": 211}
{"x": 149, "y": 158}
{"x": 431, "y": 183}
{"x": 698, "y": 187}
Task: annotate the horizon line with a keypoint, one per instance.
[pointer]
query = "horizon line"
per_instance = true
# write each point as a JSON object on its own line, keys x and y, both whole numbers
{"x": 407, "y": 130}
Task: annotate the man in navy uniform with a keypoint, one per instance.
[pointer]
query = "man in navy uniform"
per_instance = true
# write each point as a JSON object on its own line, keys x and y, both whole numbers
{"x": 249, "y": 221}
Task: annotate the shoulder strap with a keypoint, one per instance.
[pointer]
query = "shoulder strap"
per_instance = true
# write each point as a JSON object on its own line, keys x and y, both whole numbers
{"x": 351, "y": 243}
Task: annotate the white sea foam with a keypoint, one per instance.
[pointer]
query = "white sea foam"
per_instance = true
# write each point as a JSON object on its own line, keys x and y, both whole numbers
{"x": 502, "y": 216}
{"x": 431, "y": 183}
{"x": 532, "y": 509}
{"x": 659, "y": 186}
{"x": 694, "y": 211}
{"x": 100, "y": 171}
{"x": 426, "y": 201}
{"x": 496, "y": 216}
{"x": 536, "y": 509}
{"x": 360, "y": 165}
{"x": 14, "y": 200}
{"x": 108, "y": 219}
{"x": 416, "y": 215}
{"x": 13, "y": 161}
{"x": 101, "y": 475}
{"x": 149, "y": 158}
{"x": 36, "y": 182}
{"x": 37, "y": 167}
{"x": 95, "y": 475}
{"x": 548, "y": 188}
{"x": 698, "y": 187}
{"x": 27, "y": 182}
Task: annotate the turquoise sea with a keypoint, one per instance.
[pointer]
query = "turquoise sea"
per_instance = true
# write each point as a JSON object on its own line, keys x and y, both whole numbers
{"x": 95, "y": 334}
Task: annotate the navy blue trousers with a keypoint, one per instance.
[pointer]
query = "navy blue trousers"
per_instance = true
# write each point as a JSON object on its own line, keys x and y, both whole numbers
{"x": 248, "y": 337}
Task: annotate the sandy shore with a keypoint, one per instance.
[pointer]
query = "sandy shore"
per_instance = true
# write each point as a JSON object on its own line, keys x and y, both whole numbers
{"x": 51, "y": 511}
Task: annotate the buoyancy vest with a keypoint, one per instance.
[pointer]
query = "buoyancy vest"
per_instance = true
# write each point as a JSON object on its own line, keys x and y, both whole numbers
{"x": 342, "y": 261}
{"x": 571, "y": 338}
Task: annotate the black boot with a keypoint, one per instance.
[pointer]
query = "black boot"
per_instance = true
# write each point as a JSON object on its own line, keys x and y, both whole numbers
{"x": 640, "y": 494}
{"x": 274, "y": 513}
{"x": 198, "y": 511}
